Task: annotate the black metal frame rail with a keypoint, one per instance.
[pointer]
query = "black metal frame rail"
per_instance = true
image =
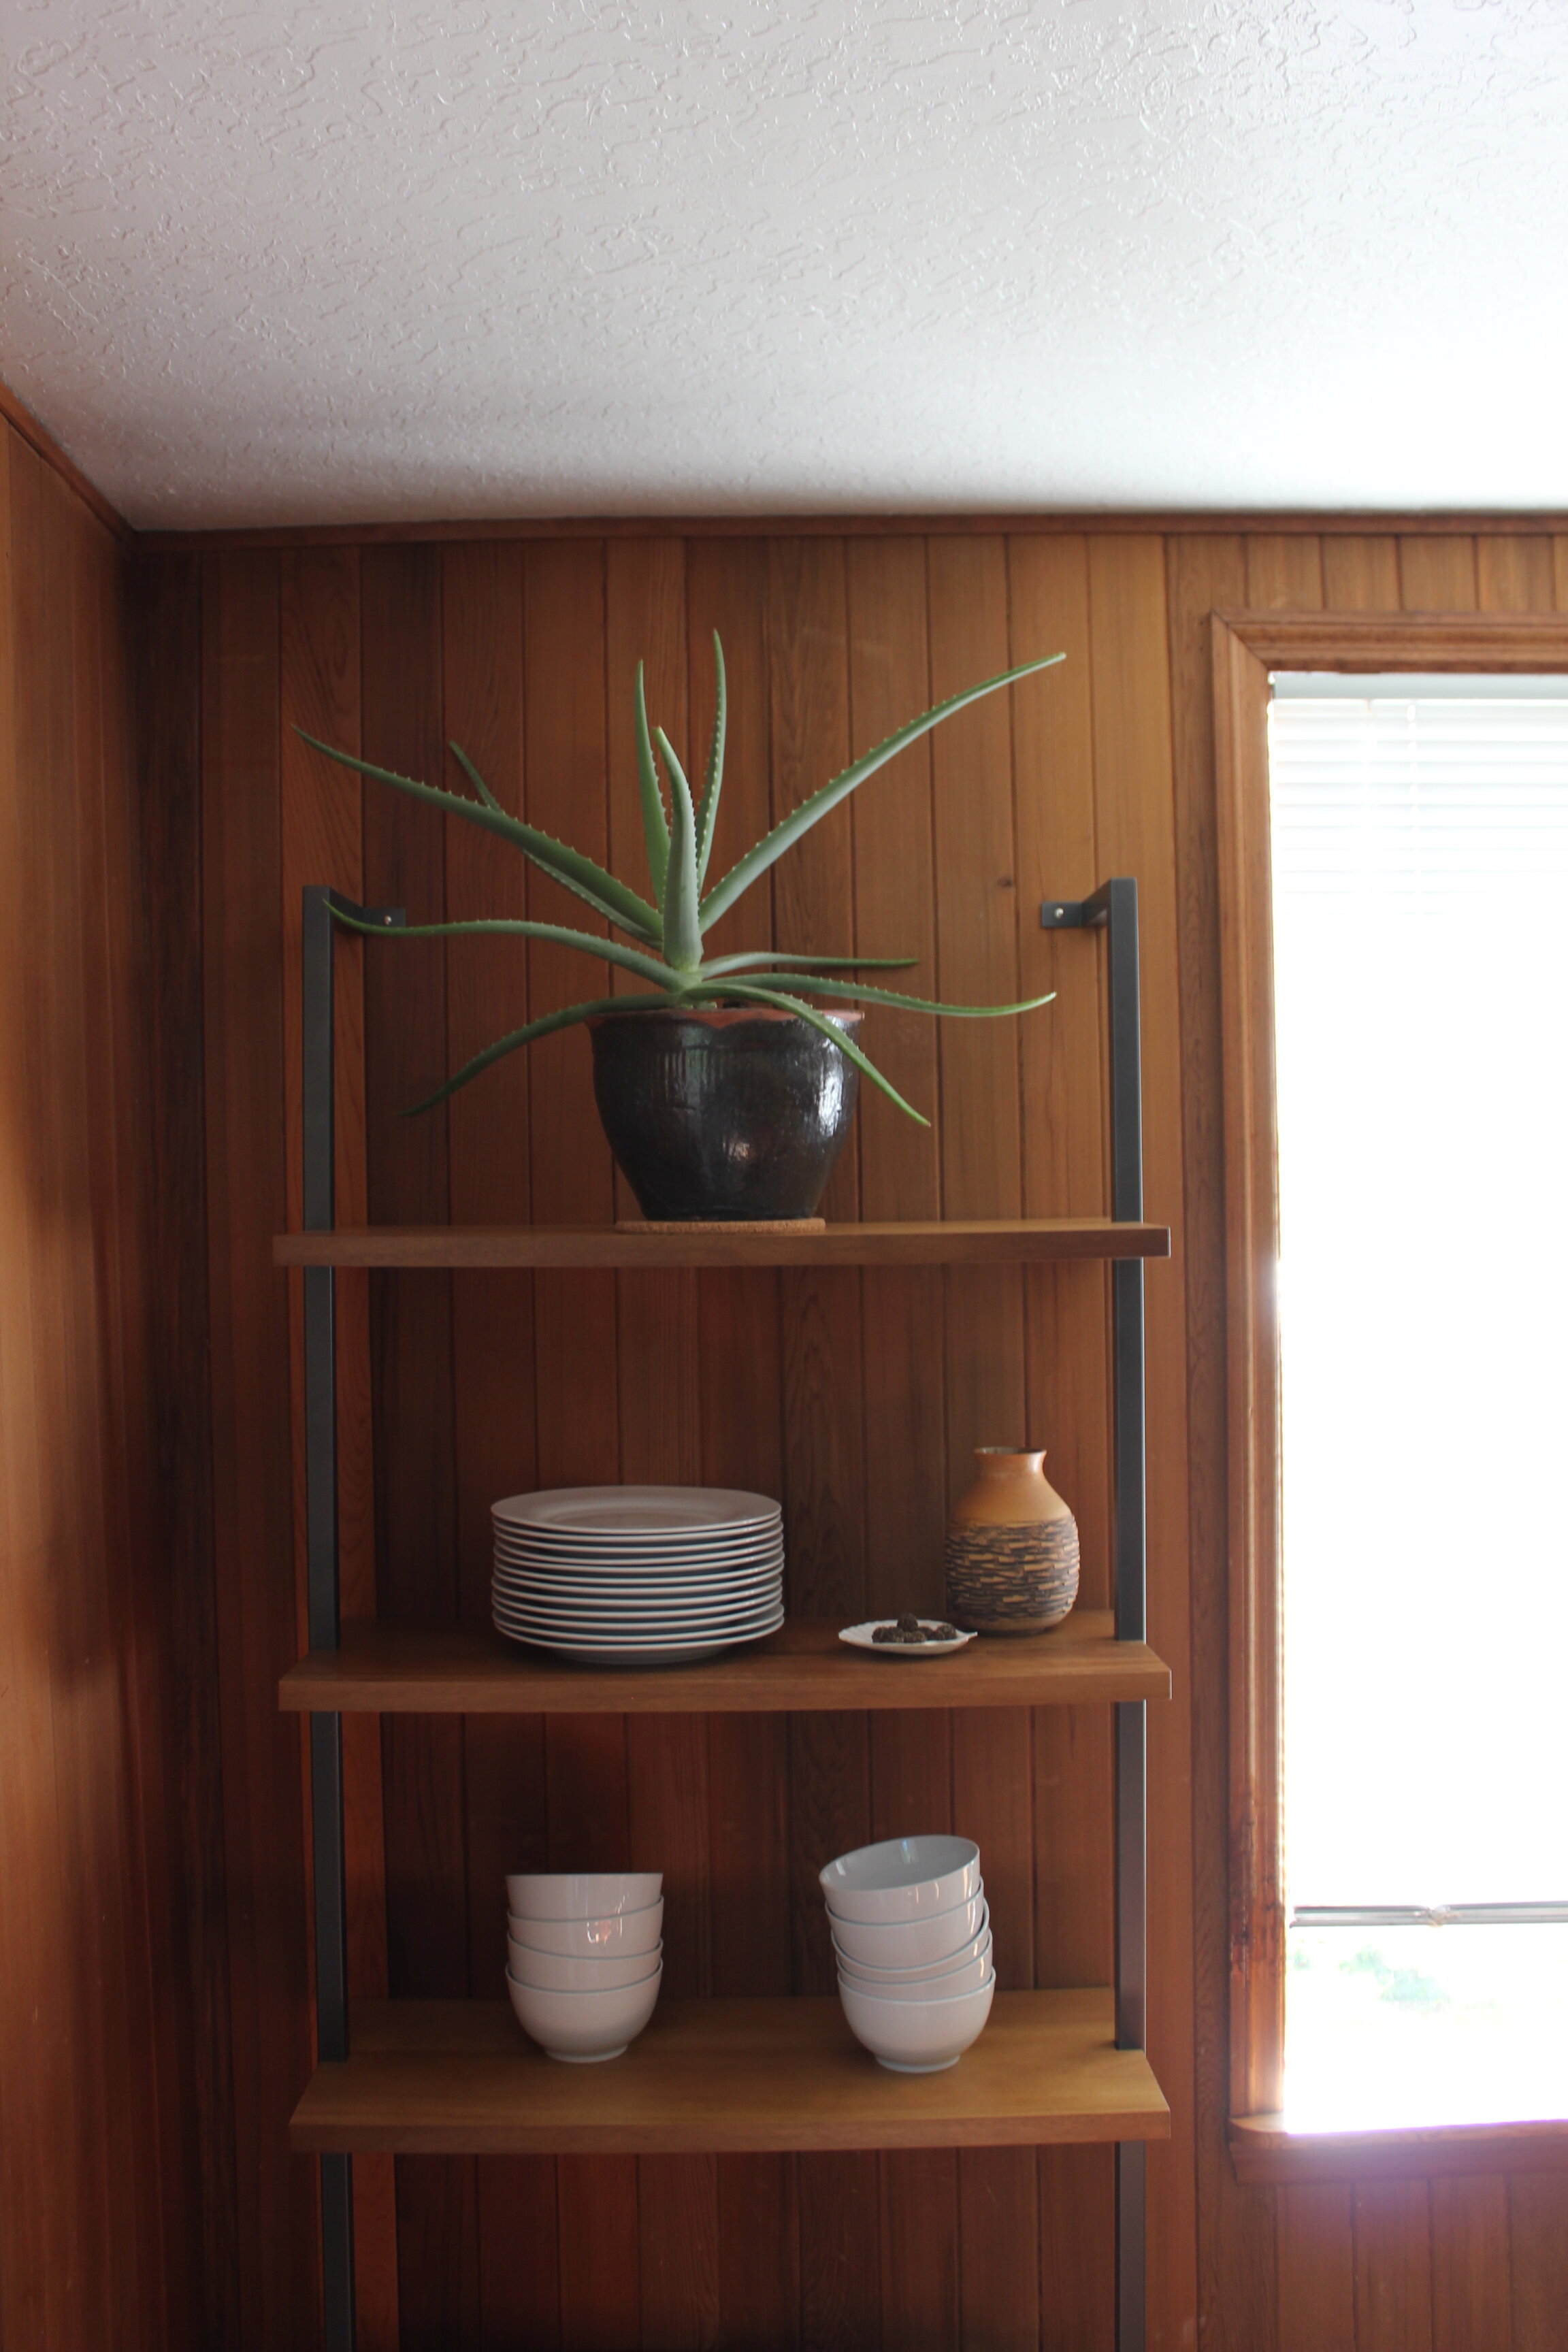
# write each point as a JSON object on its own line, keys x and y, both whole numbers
{"x": 1113, "y": 908}
{"x": 319, "y": 941}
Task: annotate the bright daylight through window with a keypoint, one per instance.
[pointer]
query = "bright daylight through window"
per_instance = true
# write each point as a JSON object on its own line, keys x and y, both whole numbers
{"x": 1420, "y": 849}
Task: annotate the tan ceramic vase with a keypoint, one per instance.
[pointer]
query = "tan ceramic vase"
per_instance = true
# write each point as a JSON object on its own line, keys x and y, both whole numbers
{"x": 1012, "y": 1548}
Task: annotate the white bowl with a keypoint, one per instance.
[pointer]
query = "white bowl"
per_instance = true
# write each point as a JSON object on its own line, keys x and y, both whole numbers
{"x": 916, "y": 2037}
{"x": 902, "y": 1878}
{"x": 583, "y": 2027}
{"x": 908, "y": 1943}
{"x": 581, "y": 1894}
{"x": 552, "y": 1973}
{"x": 970, "y": 1978}
{"x": 584, "y": 1939}
{"x": 934, "y": 1974}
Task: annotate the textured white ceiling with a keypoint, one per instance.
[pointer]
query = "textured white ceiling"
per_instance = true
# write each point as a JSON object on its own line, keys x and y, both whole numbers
{"x": 281, "y": 263}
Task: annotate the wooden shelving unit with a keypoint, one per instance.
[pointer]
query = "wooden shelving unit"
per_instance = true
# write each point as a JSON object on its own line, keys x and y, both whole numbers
{"x": 1026, "y": 1240}
{"x": 453, "y": 2078}
{"x": 435, "y": 2077}
{"x": 399, "y": 1669}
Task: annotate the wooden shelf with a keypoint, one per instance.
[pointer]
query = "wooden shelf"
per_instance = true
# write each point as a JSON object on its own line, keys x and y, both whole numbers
{"x": 1029, "y": 1241}
{"x": 454, "y": 2078}
{"x": 402, "y": 1669}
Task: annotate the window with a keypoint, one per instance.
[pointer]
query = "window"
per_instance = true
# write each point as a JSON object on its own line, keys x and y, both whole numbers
{"x": 1394, "y": 1005}
{"x": 1419, "y": 837}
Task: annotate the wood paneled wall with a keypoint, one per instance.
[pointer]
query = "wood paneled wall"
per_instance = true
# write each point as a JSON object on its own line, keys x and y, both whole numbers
{"x": 857, "y": 1396}
{"x": 101, "y": 2203}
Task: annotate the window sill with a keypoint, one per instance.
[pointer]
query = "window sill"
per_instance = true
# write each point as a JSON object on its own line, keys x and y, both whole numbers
{"x": 1261, "y": 2150}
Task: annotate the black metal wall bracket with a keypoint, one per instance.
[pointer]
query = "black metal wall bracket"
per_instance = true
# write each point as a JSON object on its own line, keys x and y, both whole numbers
{"x": 1113, "y": 908}
{"x": 319, "y": 934}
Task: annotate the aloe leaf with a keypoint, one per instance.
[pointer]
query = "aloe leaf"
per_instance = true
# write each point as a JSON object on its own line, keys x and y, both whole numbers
{"x": 811, "y": 811}
{"x": 707, "y": 809}
{"x": 775, "y": 960}
{"x": 654, "y": 830}
{"x": 474, "y": 779}
{"x": 848, "y": 988}
{"x": 829, "y": 1028}
{"x": 682, "y": 924}
{"x": 609, "y": 951}
{"x": 567, "y": 1018}
{"x": 563, "y": 864}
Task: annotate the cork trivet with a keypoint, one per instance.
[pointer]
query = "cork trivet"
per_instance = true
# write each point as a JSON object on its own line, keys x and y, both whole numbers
{"x": 720, "y": 1225}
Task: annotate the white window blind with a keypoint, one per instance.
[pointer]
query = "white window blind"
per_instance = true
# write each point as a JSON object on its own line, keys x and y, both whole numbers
{"x": 1420, "y": 850}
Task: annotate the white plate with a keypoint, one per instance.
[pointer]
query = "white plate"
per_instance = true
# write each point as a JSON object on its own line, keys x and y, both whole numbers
{"x": 639, "y": 1571}
{"x": 648, "y": 1512}
{"x": 664, "y": 1628}
{"x": 617, "y": 1588}
{"x": 674, "y": 1653}
{"x": 552, "y": 1541}
{"x": 634, "y": 1636}
{"x": 860, "y": 1638}
{"x": 737, "y": 1608}
{"x": 638, "y": 1645}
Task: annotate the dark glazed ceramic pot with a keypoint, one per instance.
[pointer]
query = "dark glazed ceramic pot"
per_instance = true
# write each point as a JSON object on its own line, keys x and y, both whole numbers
{"x": 735, "y": 1114}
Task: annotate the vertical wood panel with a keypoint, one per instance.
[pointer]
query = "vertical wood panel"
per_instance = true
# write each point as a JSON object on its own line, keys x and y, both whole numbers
{"x": 1393, "y": 2266}
{"x": 1361, "y": 574}
{"x": 319, "y": 631}
{"x": 1513, "y": 572}
{"x": 796, "y": 2231}
{"x": 981, "y": 1144}
{"x": 1285, "y": 570}
{"x": 166, "y": 654}
{"x": 247, "y": 1199}
{"x": 1470, "y": 2280}
{"x": 1438, "y": 575}
{"x": 408, "y": 1180}
{"x": 1538, "y": 2259}
{"x": 1317, "y": 2269}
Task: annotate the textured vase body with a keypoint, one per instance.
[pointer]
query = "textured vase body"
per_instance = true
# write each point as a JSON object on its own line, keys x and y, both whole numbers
{"x": 1012, "y": 1548}
{"x": 736, "y": 1114}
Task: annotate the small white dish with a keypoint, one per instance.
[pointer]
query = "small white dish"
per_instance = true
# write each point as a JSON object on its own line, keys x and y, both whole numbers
{"x": 909, "y": 1943}
{"x": 556, "y": 1972}
{"x": 916, "y": 2037}
{"x": 861, "y": 1637}
{"x": 902, "y": 1878}
{"x": 584, "y": 1939}
{"x": 584, "y": 2028}
{"x": 969, "y": 1977}
{"x": 582, "y": 1894}
{"x": 928, "y": 1972}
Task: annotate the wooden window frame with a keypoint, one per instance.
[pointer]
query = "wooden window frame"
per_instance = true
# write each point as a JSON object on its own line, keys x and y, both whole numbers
{"x": 1246, "y": 646}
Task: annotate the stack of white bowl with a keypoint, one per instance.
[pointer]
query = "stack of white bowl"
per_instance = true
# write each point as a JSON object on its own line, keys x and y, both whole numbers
{"x": 911, "y": 1934}
{"x": 584, "y": 1956}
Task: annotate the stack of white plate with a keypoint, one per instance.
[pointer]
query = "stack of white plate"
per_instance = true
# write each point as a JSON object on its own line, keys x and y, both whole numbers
{"x": 911, "y": 1934}
{"x": 627, "y": 1576}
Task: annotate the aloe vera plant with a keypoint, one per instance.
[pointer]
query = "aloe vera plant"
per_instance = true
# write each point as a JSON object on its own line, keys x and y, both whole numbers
{"x": 667, "y": 931}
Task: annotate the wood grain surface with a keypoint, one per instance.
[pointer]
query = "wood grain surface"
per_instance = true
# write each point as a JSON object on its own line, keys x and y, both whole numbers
{"x": 735, "y": 2075}
{"x": 913, "y": 1240}
{"x": 802, "y": 1668}
{"x": 854, "y": 1390}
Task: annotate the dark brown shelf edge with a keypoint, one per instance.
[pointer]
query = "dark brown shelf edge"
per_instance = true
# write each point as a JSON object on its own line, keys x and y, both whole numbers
{"x": 1262, "y": 2150}
{"x": 728, "y": 2076}
{"x": 1031, "y": 1241}
{"x": 444, "y": 1669}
